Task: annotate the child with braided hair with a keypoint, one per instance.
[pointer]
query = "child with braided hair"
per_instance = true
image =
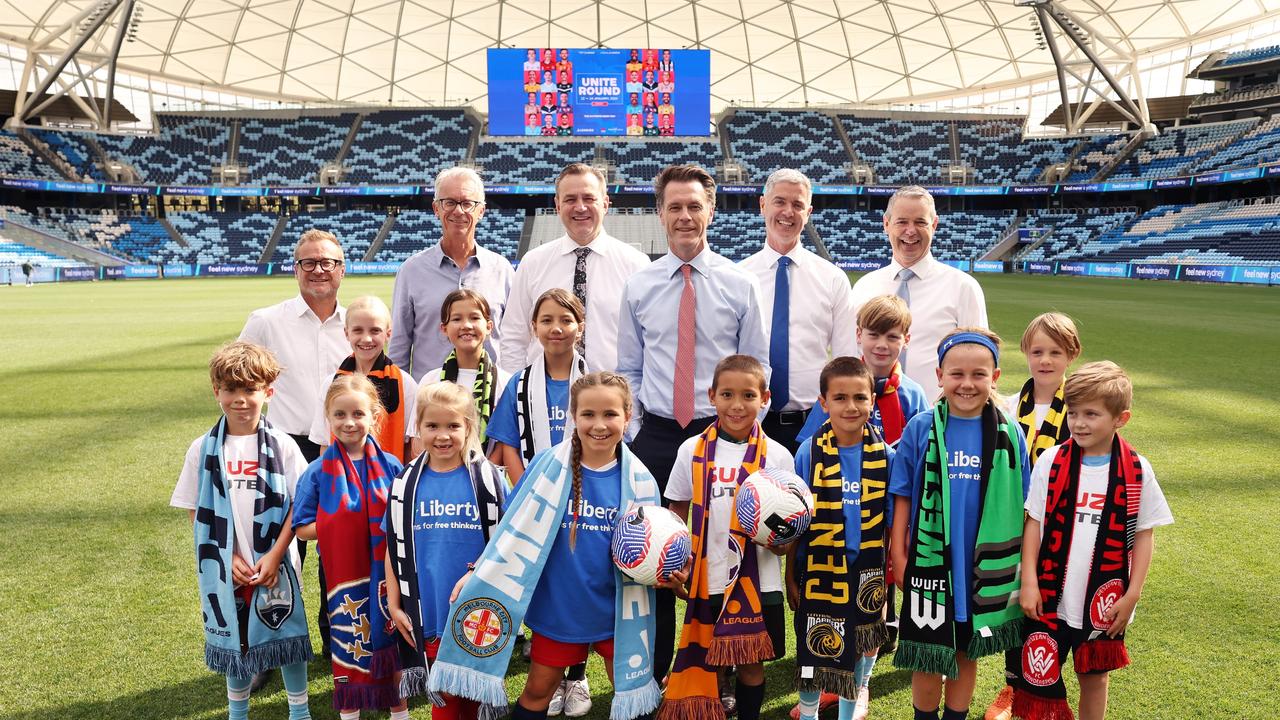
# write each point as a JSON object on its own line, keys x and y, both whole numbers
{"x": 586, "y": 482}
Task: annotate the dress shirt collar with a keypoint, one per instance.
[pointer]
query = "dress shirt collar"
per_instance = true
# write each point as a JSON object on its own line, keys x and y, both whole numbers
{"x": 798, "y": 254}
{"x": 603, "y": 244}
{"x": 441, "y": 256}
{"x": 700, "y": 262}
{"x": 923, "y": 268}
{"x": 300, "y": 308}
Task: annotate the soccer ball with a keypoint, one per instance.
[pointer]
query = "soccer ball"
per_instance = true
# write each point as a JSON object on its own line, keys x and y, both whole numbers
{"x": 774, "y": 507}
{"x": 650, "y": 543}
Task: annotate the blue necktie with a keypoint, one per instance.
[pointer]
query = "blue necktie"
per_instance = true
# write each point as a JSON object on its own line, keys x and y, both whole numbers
{"x": 779, "y": 381}
{"x": 904, "y": 292}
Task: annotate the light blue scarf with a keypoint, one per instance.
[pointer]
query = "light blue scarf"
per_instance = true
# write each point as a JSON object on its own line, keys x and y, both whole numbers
{"x": 277, "y": 631}
{"x": 476, "y": 647}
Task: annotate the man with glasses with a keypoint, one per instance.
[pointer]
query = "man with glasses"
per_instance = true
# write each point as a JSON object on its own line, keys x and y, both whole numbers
{"x": 306, "y": 335}
{"x": 455, "y": 262}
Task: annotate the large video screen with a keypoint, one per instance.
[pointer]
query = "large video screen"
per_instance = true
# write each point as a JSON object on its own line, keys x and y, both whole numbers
{"x": 592, "y": 92}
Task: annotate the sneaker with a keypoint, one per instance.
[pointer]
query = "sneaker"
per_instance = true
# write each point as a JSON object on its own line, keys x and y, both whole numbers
{"x": 577, "y": 698}
{"x": 863, "y": 704}
{"x": 730, "y": 704}
{"x": 1002, "y": 707}
{"x": 557, "y": 701}
{"x": 825, "y": 700}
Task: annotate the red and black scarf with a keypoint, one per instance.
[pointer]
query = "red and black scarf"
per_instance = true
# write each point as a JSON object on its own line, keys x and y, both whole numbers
{"x": 1041, "y": 695}
{"x": 351, "y": 506}
{"x": 889, "y": 405}
{"x": 389, "y": 382}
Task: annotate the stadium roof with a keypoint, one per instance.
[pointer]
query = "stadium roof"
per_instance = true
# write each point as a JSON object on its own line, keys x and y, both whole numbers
{"x": 764, "y": 52}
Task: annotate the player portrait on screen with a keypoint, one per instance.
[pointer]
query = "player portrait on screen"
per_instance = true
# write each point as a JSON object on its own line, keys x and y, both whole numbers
{"x": 549, "y": 125}
{"x": 650, "y": 83}
{"x": 651, "y": 59}
{"x": 633, "y": 82}
{"x": 651, "y": 101}
{"x": 666, "y": 64}
{"x": 651, "y": 124}
{"x": 634, "y": 64}
{"x": 548, "y": 81}
{"x": 666, "y": 108}
{"x": 532, "y": 126}
{"x": 667, "y": 124}
{"x": 565, "y": 126}
{"x": 563, "y": 83}
{"x": 633, "y": 104}
{"x": 531, "y": 83}
{"x": 532, "y": 105}
{"x": 633, "y": 125}
{"x": 548, "y": 60}
{"x": 563, "y": 65}
{"x": 666, "y": 81}
{"x": 549, "y": 102}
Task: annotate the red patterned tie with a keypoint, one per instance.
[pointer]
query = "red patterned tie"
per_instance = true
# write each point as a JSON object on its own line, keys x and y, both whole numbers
{"x": 682, "y": 401}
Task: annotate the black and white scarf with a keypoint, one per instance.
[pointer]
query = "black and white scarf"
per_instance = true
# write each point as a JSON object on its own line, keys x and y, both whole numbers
{"x": 532, "y": 414}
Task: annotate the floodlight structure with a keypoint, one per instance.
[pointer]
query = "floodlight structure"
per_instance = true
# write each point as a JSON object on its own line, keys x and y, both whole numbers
{"x": 1091, "y": 58}
{"x": 71, "y": 70}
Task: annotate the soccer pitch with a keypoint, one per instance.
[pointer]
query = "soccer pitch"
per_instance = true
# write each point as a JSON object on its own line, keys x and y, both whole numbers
{"x": 107, "y": 384}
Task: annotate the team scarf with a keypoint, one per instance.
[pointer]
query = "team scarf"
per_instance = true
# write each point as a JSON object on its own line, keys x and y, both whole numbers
{"x": 841, "y": 611}
{"x": 927, "y": 641}
{"x": 276, "y": 632}
{"x": 352, "y": 550}
{"x": 1052, "y": 430}
{"x": 484, "y": 619}
{"x": 532, "y": 414}
{"x": 1041, "y": 695}
{"x": 489, "y": 490}
{"x": 738, "y": 634}
{"x": 889, "y": 405}
{"x": 389, "y": 382}
{"x": 482, "y": 390}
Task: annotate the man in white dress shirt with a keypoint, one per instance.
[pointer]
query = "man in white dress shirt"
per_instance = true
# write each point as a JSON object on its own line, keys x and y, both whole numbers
{"x": 812, "y": 320}
{"x": 941, "y": 298}
{"x": 586, "y": 261}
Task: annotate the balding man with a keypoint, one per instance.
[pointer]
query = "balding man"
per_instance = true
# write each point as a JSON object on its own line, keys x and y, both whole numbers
{"x": 941, "y": 298}
{"x": 455, "y": 262}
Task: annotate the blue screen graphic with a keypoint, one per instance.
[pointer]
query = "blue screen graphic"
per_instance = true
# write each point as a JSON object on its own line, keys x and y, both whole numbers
{"x": 590, "y": 92}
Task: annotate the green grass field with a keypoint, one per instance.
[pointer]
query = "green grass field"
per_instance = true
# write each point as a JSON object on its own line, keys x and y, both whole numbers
{"x": 106, "y": 385}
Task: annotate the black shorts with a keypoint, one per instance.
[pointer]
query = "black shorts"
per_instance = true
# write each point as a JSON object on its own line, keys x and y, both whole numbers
{"x": 775, "y": 621}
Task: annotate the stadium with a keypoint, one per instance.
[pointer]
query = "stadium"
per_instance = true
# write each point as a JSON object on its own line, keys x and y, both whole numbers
{"x": 1115, "y": 161}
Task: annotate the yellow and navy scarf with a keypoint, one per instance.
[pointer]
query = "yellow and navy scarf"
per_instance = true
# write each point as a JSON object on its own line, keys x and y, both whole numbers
{"x": 738, "y": 635}
{"x": 1052, "y": 430}
{"x": 838, "y": 602}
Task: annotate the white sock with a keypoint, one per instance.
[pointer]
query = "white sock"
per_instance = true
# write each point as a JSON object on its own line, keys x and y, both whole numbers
{"x": 400, "y": 714}
{"x": 349, "y": 714}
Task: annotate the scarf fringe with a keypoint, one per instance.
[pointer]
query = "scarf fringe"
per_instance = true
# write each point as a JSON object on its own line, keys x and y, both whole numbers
{"x": 925, "y": 657}
{"x": 414, "y": 682}
{"x": 347, "y": 696}
{"x": 468, "y": 683}
{"x": 869, "y": 637}
{"x": 385, "y": 662}
{"x": 259, "y": 658}
{"x": 1005, "y": 636}
{"x": 1029, "y": 706}
{"x": 631, "y": 704}
{"x": 692, "y": 708}
{"x": 832, "y": 680}
{"x": 740, "y": 649}
{"x": 1101, "y": 656}
{"x": 492, "y": 712}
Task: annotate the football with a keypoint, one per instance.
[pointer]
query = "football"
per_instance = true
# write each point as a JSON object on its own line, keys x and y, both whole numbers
{"x": 650, "y": 543}
{"x": 774, "y": 507}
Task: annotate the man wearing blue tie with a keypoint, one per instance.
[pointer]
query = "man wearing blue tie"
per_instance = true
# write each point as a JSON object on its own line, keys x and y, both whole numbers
{"x": 808, "y": 311}
{"x": 679, "y": 316}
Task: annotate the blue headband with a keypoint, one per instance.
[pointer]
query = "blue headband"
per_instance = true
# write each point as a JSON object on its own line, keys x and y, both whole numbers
{"x": 968, "y": 337}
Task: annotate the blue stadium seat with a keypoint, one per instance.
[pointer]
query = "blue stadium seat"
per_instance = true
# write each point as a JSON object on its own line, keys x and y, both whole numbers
{"x": 184, "y": 151}
{"x": 355, "y": 230}
{"x": 414, "y": 230}
{"x": 19, "y": 160}
{"x": 640, "y": 162}
{"x": 406, "y": 146}
{"x": 517, "y": 161}
{"x": 901, "y": 152}
{"x": 237, "y": 237}
{"x": 290, "y": 151}
{"x": 765, "y": 140}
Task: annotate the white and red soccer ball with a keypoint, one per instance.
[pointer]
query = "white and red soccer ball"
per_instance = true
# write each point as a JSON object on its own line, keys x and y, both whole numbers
{"x": 774, "y": 507}
{"x": 650, "y": 543}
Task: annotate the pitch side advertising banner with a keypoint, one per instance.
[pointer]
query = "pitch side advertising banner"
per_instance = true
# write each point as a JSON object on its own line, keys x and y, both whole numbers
{"x": 599, "y": 92}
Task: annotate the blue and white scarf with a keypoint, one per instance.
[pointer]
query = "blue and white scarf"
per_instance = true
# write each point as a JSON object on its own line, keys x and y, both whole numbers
{"x": 476, "y": 647}
{"x": 277, "y": 624}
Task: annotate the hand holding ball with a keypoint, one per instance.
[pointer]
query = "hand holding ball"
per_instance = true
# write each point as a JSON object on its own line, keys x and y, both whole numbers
{"x": 650, "y": 543}
{"x": 774, "y": 507}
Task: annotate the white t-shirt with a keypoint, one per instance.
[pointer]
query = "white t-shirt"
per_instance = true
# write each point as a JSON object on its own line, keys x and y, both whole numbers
{"x": 1011, "y": 409}
{"x": 319, "y": 433}
{"x": 728, "y": 459}
{"x": 1153, "y": 512}
{"x": 467, "y": 379}
{"x": 240, "y": 453}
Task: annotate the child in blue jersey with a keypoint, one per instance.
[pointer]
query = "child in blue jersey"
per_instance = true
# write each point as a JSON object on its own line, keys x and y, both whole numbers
{"x": 884, "y": 330}
{"x": 958, "y": 482}
{"x": 437, "y": 523}
{"x": 534, "y": 408}
{"x": 846, "y": 393}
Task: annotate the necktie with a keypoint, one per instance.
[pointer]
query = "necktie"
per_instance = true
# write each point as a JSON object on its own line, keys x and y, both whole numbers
{"x": 580, "y": 289}
{"x": 682, "y": 400}
{"x": 904, "y": 292}
{"x": 779, "y": 340}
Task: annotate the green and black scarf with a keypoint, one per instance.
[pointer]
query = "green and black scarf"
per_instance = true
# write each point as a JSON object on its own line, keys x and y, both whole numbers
{"x": 928, "y": 633}
{"x": 482, "y": 390}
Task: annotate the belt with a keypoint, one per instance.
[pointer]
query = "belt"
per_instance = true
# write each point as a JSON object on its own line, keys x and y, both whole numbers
{"x": 789, "y": 417}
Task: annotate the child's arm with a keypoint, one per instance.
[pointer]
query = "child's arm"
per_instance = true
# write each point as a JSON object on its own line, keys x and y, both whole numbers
{"x": 509, "y": 458}
{"x": 1144, "y": 544}
{"x": 898, "y": 537}
{"x": 1029, "y": 595}
{"x": 398, "y": 615}
{"x": 793, "y": 590}
{"x": 306, "y": 532}
{"x": 266, "y": 571}
{"x": 681, "y": 509}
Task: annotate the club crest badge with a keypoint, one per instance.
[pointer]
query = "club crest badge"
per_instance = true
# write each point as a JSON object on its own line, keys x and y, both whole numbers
{"x": 1040, "y": 666}
{"x": 482, "y": 627}
{"x": 275, "y": 605}
{"x": 1103, "y": 599}
{"x": 825, "y": 636}
{"x": 871, "y": 591}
